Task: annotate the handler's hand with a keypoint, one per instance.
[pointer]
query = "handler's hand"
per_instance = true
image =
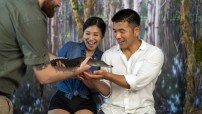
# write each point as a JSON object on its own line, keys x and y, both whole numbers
{"x": 84, "y": 66}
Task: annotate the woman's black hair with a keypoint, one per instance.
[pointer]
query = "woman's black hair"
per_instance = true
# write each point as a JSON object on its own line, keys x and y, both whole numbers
{"x": 95, "y": 21}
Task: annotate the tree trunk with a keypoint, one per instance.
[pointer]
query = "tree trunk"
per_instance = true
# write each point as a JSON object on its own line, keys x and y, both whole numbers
{"x": 77, "y": 18}
{"x": 198, "y": 56}
{"x": 187, "y": 41}
{"x": 156, "y": 22}
{"x": 126, "y": 4}
{"x": 137, "y": 5}
{"x": 149, "y": 24}
{"x": 166, "y": 27}
{"x": 110, "y": 26}
{"x": 60, "y": 29}
{"x": 199, "y": 43}
{"x": 52, "y": 32}
{"x": 87, "y": 8}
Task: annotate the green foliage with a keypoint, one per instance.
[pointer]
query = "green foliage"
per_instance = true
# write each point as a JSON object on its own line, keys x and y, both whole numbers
{"x": 198, "y": 52}
{"x": 198, "y": 55}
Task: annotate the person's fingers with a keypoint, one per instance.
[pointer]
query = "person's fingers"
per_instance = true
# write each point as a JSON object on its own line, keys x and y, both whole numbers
{"x": 81, "y": 78}
{"x": 84, "y": 66}
{"x": 63, "y": 65}
{"x": 60, "y": 64}
{"x": 99, "y": 72}
{"x": 92, "y": 76}
{"x": 85, "y": 61}
{"x": 57, "y": 63}
{"x": 87, "y": 74}
{"x": 86, "y": 77}
{"x": 88, "y": 71}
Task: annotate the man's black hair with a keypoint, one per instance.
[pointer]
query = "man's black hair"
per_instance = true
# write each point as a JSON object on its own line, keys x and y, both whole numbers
{"x": 127, "y": 15}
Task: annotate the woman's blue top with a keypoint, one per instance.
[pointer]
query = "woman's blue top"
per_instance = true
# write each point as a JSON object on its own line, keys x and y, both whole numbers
{"x": 72, "y": 86}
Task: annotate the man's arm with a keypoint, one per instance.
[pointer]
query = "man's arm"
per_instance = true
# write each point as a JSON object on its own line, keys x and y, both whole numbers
{"x": 98, "y": 85}
{"x": 102, "y": 74}
{"x": 139, "y": 79}
{"x": 101, "y": 86}
{"x": 45, "y": 73}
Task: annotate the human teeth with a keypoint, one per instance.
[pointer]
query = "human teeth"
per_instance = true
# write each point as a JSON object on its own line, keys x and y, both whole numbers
{"x": 91, "y": 43}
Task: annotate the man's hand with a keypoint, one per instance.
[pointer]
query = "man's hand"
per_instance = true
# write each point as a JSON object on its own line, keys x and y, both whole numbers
{"x": 89, "y": 82}
{"x": 82, "y": 76}
{"x": 93, "y": 81}
{"x": 99, "y": 74}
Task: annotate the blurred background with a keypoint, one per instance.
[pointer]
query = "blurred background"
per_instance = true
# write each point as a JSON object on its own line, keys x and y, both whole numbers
{"x": 172, "y": 25}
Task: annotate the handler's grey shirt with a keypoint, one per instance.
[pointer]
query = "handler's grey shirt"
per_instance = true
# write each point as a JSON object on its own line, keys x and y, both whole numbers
{"x": 23, "y": 40}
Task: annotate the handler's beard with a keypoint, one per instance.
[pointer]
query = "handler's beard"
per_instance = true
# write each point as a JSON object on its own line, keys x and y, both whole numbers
{"x": 48, "y": 7}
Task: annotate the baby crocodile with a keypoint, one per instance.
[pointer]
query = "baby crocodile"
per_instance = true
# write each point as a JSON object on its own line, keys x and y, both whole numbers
{"x": 72, "y": 63}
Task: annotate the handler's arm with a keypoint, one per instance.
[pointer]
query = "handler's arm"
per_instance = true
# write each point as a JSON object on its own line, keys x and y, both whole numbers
{"x": 48, "y": 74}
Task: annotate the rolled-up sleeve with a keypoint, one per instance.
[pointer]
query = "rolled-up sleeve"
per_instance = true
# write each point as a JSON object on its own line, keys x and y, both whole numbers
{"x": 108, "y": 83}
{"x": 104, "y": 58}
{"x": 32, "y": 37}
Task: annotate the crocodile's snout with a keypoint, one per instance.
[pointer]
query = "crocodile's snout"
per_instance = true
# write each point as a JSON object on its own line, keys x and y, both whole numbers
{"x": 93, "y": 62}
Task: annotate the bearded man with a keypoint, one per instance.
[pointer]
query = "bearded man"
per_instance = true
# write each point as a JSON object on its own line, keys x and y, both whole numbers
{"x": 23, "y": 43}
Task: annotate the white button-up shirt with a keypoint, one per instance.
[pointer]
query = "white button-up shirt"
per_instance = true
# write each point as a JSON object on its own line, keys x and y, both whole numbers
{"x": 141, "y": 71}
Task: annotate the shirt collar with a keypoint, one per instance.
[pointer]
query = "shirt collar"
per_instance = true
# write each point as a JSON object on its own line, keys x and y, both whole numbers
{"x": 83, "y": 47}
{"x": 143, "y": 45}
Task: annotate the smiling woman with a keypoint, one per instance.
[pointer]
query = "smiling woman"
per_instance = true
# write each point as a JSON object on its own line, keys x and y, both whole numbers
{"x": 73, "y": 95}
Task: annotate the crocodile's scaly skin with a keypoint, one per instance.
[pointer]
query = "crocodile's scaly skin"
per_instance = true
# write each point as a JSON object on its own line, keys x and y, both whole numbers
{"x": 70, "y": 63}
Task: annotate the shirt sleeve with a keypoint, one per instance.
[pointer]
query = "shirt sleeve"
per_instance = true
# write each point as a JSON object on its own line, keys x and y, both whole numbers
{"x": 32, "y": 38}
{"x": 104, "y": 58}
{"x": 148, "y": 70}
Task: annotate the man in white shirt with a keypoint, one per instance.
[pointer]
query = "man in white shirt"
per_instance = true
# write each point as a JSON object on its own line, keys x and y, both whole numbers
{"x": 129, "y": 85}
